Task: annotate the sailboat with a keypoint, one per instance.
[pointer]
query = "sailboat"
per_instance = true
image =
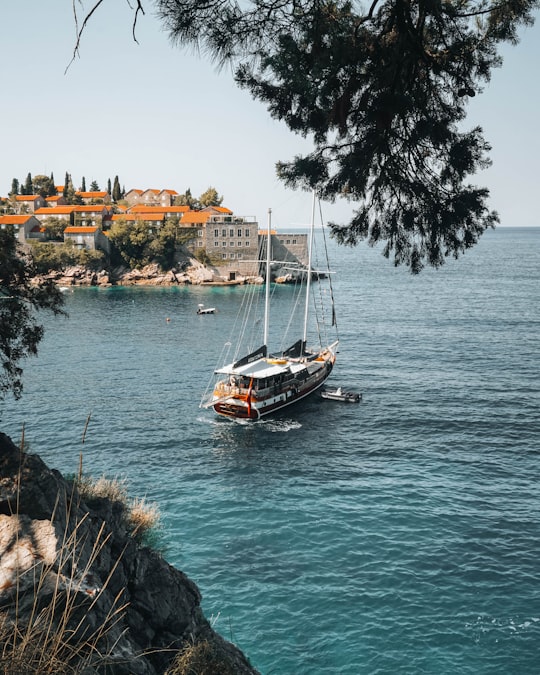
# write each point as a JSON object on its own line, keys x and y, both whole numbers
{"x": 263, "y": 382}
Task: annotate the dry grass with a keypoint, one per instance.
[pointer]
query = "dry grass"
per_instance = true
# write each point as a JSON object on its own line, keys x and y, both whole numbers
{"x": 44, "y": 626}
{"x": 113, "y": 489}
{"x": 141, "y": 518}
{"x": 200, "y": 658}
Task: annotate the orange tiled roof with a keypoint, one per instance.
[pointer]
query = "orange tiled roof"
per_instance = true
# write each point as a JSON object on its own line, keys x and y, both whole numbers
{"x": 194, "y": 217}
{"x": 26, "y": 198}
{"x": 156, "y": 192}
{"x": 170, "y": 192}
{"x": 52, "y": 210}
{"x": 54, "y": 198}
{"x": 139, "y": 192}
{"x": 221, "y": 209}
{"x": 142, "y": 208}
{"x": 156, "y": 217}
{"x": 89, "y": 208}
{"x": 74, "y": 229}
{"x": 14, "y": 220}
{"x": 92, "y": 195}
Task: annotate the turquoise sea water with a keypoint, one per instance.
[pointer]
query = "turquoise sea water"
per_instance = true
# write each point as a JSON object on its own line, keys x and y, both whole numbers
{"x": 399, "y": 535}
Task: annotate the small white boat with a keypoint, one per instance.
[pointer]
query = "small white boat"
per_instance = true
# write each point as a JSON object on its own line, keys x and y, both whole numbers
{"x": 340, "y": 394}
{"x": 205, "y": 310}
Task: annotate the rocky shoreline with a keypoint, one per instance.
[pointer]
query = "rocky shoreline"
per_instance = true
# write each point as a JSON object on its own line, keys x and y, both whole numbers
{"x": 80, "y": 593}
{"x": 151, "y": 275}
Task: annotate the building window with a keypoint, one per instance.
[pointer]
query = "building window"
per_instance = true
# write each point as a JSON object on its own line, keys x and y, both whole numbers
{"x": 199, "y": 243}
{"x": 231, "y": 255}
{"x": 231, "y": 243}
{"x": 246, "y": 233}
{"x": 294, "y": 241}
{"x": 216, "y": 243}
{"x": 288, "y": 241}
{"x": 238, "y": 255}
{"x": 246, "y": 243}
{"x": 216, "y": 233}
{"x": 199, "y": 233}
{"x": 239, "y": 233}
{"x": 231, "y": 233}
{"x": 223, "y": 255}
{"x": 224, "y": 243}
{"x": 223, "y": 233}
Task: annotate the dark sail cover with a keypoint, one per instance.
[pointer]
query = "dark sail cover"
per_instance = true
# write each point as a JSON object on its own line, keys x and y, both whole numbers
{"x": 258, "y": 354}
{"x": 296, "y": 350}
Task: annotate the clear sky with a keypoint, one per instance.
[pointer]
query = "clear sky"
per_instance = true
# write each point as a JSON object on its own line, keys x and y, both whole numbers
{"x": 160, "y": 117}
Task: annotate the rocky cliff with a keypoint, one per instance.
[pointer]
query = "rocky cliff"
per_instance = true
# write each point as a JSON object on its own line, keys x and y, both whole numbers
{"x": 79, "y": 594}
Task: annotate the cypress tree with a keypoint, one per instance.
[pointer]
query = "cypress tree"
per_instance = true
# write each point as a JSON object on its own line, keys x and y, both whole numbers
{"x": 14, "y": 187}
{"x": 116, "y": 193}
{"x": 28, "y": 187}
{"x": 109, "y": 189}
{"x": 69, "y": 190}
{"x": 83, "y": 184}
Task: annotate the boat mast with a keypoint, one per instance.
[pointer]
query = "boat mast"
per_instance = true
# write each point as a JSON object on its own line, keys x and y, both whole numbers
{"x": 267, "y": 289}
{"x": 308, "y": 272}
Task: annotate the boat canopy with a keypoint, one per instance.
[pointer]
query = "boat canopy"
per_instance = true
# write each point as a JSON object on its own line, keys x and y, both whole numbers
{"x": 261, "y": 368}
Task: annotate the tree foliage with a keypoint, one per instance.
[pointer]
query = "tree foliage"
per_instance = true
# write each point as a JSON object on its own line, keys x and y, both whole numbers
{"x": 28, "y": 187}
{"x": 210, "y": 198}
{"x": 187, "y": 199}
{"x": 116, "y": 191}
{"x": 381, "y": 88}
{"x": 20, "y": 300}
{"x": 139, "y": 245}
{"x": 48, "y": 257}
{"x": 54, "y": 228}
{"x": 44, "y": 185}
{"x": 14, "y": 187}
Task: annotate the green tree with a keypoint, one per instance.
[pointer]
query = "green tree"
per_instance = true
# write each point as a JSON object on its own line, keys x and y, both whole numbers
{"x": 132, "y": 241}
{"x": 54, "y": 228}
{"x": 187, "y": 199}
{"x": 210, "y": 198}
{"x": 28, "y": 188}
{"x": 20, "y": 301}
{"x": 116, "y": 191}
{"x": 43, "y": 186}
{"x": 14, "y": 187}
{"x": 94, "y": 187}
{"x": 69, "y": 190}
{"x": 382, "y": 90}
{"x": 83, "y": 184}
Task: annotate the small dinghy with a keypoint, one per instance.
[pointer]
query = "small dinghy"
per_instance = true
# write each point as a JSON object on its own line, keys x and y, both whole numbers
{"x": 340, "y": 394}
{"x": 205, "y": 310}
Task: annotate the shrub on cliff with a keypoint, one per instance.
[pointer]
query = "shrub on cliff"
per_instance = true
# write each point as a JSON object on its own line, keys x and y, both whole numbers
{"x": 57, "y": 257}
{"x": 142, "y": 519}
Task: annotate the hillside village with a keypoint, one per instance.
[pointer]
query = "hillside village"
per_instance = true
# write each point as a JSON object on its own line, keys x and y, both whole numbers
{"x": 228, "y": 244}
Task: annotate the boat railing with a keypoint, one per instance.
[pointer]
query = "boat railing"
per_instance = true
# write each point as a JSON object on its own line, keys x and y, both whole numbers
{"x": 225, "y": 389}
